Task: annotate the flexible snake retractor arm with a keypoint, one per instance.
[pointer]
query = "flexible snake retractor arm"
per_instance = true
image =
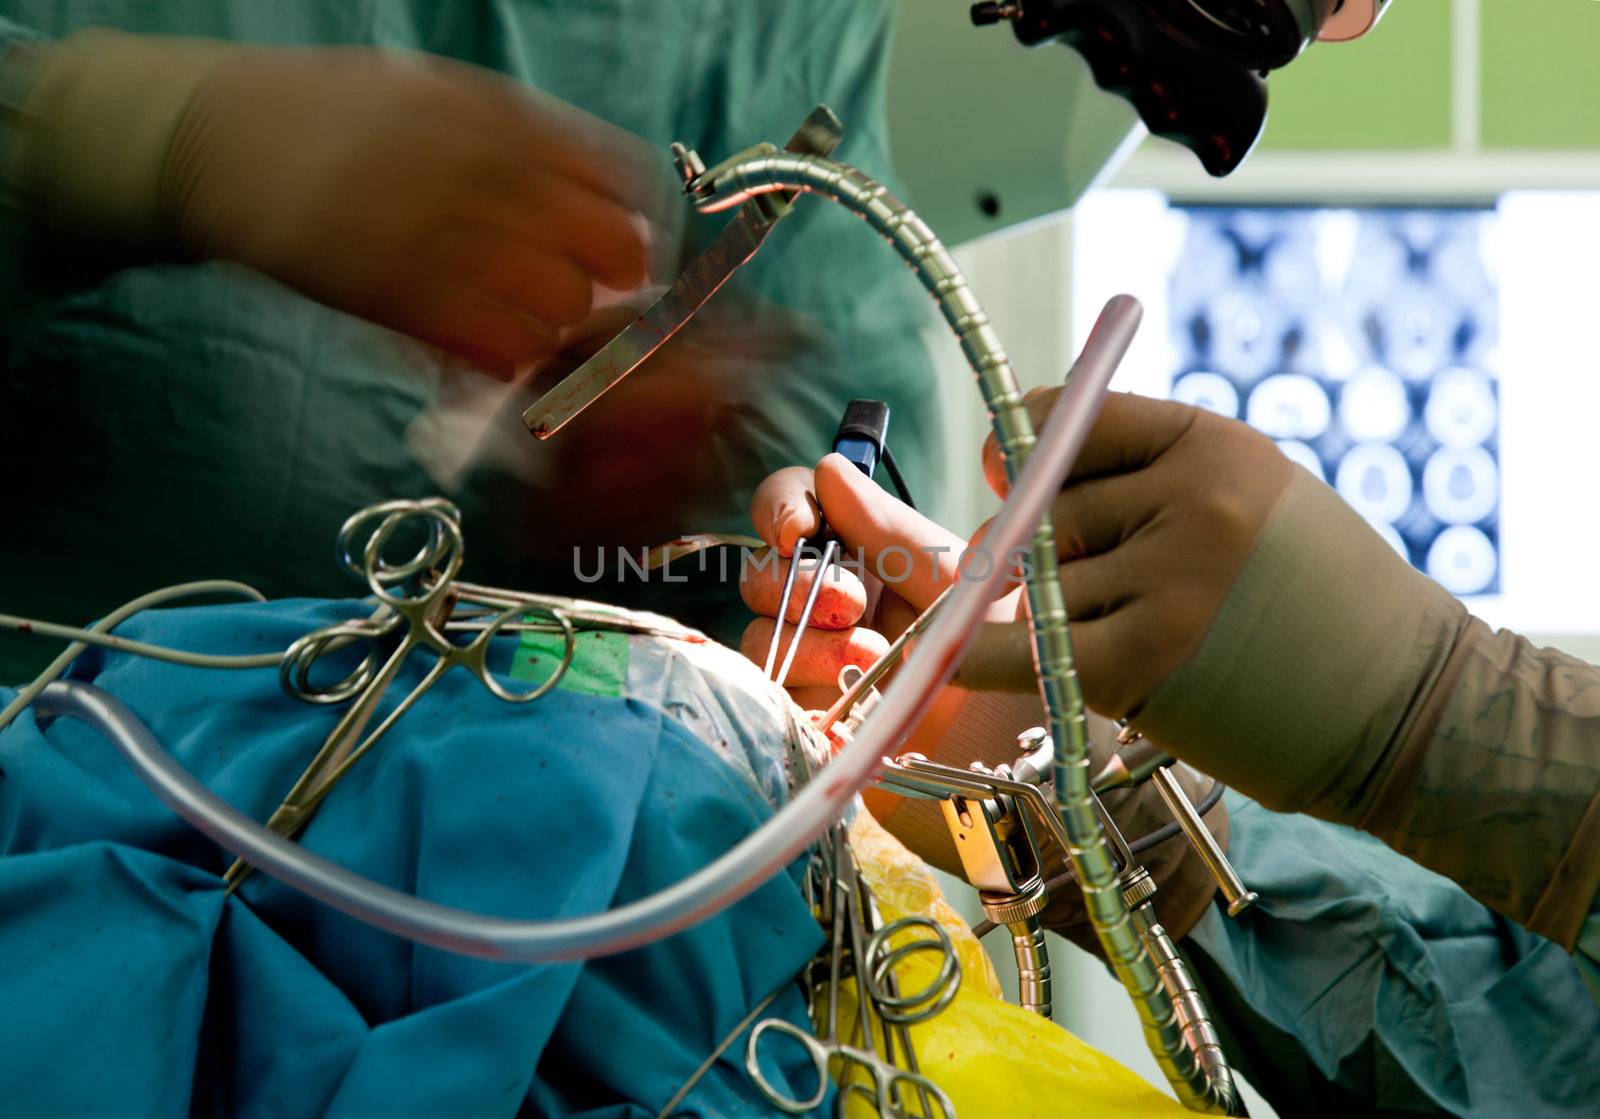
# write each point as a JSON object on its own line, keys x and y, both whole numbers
{"x": 1197, "y": 1075}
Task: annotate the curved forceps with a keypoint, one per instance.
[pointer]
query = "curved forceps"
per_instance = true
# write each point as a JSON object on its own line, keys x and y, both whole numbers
{"x": 417, "y": 597}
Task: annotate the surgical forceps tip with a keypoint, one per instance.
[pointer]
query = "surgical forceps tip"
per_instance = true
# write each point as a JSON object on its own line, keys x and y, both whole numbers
{"x": 804, "y": 620}
{"x": 783, "y": 607}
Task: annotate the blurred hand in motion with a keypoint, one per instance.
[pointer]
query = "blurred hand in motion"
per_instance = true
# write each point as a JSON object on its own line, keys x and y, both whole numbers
{"x": 429, "y": 196}
{"x": 679, "y": 445}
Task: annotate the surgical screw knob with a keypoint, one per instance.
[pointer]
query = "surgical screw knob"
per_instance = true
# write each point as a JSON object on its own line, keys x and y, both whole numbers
{"x": 689, "y": 163}
{"x": 1004, "y": 910}
{"x": 1138, "y": 888}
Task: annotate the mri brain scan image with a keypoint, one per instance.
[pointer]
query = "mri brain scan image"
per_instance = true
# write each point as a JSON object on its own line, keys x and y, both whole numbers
{"x": 1362, "y": 341}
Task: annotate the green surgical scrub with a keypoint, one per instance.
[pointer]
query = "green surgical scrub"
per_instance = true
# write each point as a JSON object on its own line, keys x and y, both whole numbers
{"x": 1362, "y": 983}
{"x": 176, "y": 421}
{"x": 1588, "y": 951}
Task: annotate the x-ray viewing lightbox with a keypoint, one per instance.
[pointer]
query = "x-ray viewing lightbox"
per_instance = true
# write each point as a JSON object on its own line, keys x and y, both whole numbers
{"x": 1436, "y": 365}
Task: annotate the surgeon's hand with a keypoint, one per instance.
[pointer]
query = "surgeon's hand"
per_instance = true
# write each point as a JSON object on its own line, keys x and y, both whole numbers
{"x": 896, "y": 562}
{"x": 894, "y": 555}
{"x": 1159, "y": 514}
{"x": 1238, "y": 612}
{"x": 908, "y": 560}
{"x": 1253, "y": 624}
{"x": 426, "y": 195}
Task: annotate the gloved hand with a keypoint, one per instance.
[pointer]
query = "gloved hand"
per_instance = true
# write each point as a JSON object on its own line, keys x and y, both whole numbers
{"x": 1251, "y": 623}
{"x": 905, "y": 561}
{"x": 1237, "y": 610}
{"x": 1162, "y": 508}
{"x": 426, "y": 195}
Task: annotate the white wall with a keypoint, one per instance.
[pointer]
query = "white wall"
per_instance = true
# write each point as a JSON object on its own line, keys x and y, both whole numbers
{"x": 1021, "y": 278}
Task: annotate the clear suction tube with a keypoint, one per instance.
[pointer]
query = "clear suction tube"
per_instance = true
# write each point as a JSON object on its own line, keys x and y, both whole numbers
{"x": 1198, "y": 1083}
{"x": 757, "y": 858}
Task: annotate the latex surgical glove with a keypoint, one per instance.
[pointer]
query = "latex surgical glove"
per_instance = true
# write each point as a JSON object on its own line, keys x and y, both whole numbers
{"x": 897, "y": 563}
{"x": 1250, "y": 622}
{"x": 1231, "y": 605}
{"x": 425, "y": 195}
{"x": 1162, "y": 509}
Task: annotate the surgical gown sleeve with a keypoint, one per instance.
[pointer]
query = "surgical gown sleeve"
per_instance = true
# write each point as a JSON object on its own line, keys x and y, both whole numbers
{"x": 13, "y": 32}
{"x": 1498, "y": 783}
{"x": 222, "y": 424}
{"x": 1362, "y": 983}
{"x": 1471, "y": 751}
{"x": 15, "y": 71}
{"x": 1588, "y": 952}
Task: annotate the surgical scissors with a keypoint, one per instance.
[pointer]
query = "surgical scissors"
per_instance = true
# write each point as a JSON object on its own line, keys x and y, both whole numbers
{"x": 872, "y": 957}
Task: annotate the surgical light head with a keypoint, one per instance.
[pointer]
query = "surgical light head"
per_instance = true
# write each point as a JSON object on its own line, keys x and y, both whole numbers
{"x": 1194, "y": 69}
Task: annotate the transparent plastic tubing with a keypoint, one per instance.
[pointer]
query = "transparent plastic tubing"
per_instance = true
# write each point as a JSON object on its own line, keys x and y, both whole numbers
{"x": 739, "y": 179}
{"x": 758, "y": 857}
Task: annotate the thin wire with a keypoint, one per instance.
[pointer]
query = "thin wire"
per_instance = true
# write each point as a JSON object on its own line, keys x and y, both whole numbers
{"x": 722, "y": 1047}
{"x": 101, "y": 628}
{"x": 137, "y": 648}
{"x": 1137, "y": 847}
{"x": 896, "y": 477}
{"x": 880, "y": 667}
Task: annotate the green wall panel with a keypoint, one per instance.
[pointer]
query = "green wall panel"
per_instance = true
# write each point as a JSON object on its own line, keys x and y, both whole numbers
{"x": 1541, "y": 73}
{"x": 1388, "y": 91}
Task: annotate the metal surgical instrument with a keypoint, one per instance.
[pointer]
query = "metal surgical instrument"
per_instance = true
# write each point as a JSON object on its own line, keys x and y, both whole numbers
{"x": 1139, "y": 760}
{"x": 737, "y": 243}
{"x": 417, "y": 598}
{"x": 861, "y": 439}
{"x": 997, "y": 808}
{"x": 994, "y": 819}
{"x": 1234, "y": 892}
{"x": 851, "y": 692}
{"x": 849, "y": 912}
